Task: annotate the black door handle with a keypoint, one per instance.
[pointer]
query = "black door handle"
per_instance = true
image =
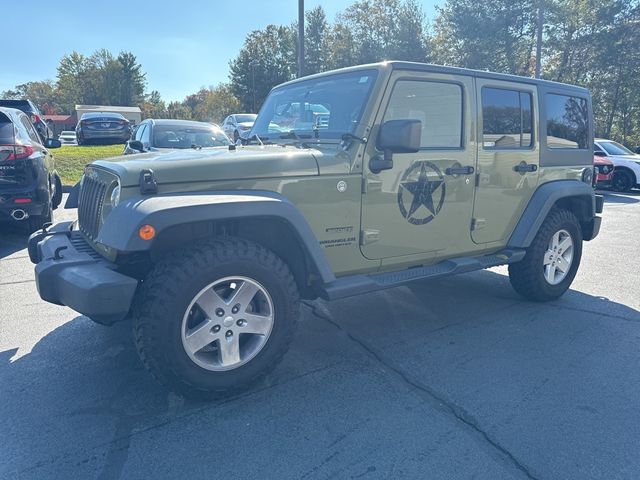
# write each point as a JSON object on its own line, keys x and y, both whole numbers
{"x": 468, "y": 170}
{"x": 525, "y": 167}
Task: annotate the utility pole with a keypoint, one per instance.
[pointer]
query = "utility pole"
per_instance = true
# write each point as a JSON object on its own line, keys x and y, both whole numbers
{"x": 539, "y": 27}
{"x": 253, "y": 64}
{"x": 300, "y": 38}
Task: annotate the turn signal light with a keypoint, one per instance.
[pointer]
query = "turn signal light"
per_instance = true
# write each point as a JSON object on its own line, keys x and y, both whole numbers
{"x": 147, "y": 232}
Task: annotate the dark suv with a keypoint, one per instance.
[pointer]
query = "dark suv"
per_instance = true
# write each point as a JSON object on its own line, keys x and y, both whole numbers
{"x": 30, "y": 109}
{"x": 30, "y": 187}
{"x": 107, "y": 127}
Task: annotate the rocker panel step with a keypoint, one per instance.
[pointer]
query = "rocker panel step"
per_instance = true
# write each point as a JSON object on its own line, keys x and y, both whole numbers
{"x": 359, "y": 284}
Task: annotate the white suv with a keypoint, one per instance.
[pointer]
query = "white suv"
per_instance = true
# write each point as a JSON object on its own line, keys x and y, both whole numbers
{"x": 626, "y": 173}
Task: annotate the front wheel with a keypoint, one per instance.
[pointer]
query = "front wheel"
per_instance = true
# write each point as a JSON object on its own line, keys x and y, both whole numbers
{"x": 552, "y": 259}
{"x": 213, "y": 318}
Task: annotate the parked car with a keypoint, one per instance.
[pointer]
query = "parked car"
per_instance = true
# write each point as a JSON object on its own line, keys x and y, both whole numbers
{"x": 603, "y": 172}
{"x": 237, "y": 124}
{"x": 68, "y": 137}
{"x": 626, "y": 172}
{"x": 30, "y": 187}
{"x": 107, "y": 127}
{"x": 153, "y": 135}
{"x": 34, "y": 114}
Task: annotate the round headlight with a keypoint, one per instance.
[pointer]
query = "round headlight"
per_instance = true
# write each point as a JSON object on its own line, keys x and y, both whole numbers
{"x": 115, "y": 196}
{"x": 587, "y": 175}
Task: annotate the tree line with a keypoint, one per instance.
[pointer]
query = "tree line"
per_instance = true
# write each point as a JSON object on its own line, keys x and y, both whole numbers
{"x": 594, "y": 43}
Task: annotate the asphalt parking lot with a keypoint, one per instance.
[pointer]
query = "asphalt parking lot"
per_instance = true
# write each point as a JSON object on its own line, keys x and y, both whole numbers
{"x": 457, "y": 378}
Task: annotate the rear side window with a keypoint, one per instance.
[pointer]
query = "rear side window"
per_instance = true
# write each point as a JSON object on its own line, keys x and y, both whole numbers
{"x": 6, "y": 131}
{"x": 567, "y": 121}
{"x": 28, "y": 126}
{"x": 507, "y": 119}
{"x": 437, "y": 105}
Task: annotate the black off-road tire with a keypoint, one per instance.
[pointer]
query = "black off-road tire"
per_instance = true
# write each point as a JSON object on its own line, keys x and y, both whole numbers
{"x": 165, "y": 294}
{"x": 527, "y": 276}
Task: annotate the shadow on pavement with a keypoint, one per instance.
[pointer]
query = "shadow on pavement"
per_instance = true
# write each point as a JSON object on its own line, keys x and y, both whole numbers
{"x": 82, "y": 390}
{"x": 610, "y": 197}
{"x": 13, "y": 238}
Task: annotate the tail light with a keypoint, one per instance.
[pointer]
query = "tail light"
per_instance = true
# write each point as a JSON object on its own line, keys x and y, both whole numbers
{"x": 15, "y": 152}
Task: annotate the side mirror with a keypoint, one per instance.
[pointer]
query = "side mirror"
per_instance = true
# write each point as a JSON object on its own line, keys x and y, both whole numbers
{"x": 396, "y": 136}
{"x": 136, "y": 145}
{"x": 52, "y": 143}
{"x": 600, "y": 154}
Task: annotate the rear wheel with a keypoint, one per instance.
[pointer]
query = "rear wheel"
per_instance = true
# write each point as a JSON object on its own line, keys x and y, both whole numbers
{"x": 57, "y": 196}
{"x": 213, "y": 318}
{"x": 622, "y": 181}
{"x": 36, "y": 222}
{"x": 552, "y": 259}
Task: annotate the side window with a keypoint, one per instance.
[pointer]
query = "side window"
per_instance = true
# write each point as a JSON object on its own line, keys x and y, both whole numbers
{"x": 144, "y": 137}
{"x": 437, "y": 105}
{"x": 139, "y": 131}
{"x": 567, "y": 121}
{"x": 507, "y": 118}
{"x": 28, "y": 126}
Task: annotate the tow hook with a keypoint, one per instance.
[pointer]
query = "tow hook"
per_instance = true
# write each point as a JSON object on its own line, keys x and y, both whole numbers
{"x": 56, "y": 253}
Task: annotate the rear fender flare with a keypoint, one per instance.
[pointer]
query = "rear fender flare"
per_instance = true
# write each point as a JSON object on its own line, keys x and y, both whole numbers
{"x": 543, "y": 200}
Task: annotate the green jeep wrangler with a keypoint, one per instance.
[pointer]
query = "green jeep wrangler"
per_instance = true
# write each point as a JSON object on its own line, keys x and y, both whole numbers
{"x": 349, "y": 182}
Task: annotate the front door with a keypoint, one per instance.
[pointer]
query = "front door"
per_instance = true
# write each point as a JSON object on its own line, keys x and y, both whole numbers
{"x": 422, "y": 206}
{"x": 507, "y": 157}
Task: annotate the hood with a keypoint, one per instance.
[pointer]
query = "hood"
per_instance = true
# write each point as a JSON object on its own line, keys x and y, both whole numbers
{"x": 213, "y": 164}
{"x": 601, "y": 161}
{"x": 245, "y": 124}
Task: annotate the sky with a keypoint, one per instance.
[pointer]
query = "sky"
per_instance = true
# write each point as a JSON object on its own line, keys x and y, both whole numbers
{"x": 182, "y": 45}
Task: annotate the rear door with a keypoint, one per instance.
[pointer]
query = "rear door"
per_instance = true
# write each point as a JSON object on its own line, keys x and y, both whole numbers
{"x": 508, "y": 157}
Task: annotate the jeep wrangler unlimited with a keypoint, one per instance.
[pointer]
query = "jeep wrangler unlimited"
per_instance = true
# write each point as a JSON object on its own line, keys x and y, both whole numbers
{"x": 350, "y": 181}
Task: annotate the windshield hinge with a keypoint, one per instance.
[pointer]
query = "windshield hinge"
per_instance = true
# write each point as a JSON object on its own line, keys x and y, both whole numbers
{"x": 148, "y": 182}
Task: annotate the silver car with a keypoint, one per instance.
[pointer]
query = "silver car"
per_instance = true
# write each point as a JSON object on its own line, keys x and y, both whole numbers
{"x": 236, "y": 124}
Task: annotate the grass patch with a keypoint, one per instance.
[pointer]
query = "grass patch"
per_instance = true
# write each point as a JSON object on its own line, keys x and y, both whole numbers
{"x": 70, "y": 160}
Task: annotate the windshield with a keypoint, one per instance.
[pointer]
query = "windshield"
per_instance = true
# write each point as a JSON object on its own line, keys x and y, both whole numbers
{"x": 175, "y": 136}
{"x": 614, "y": 148}
{"x": 324, "y": 107}
{"x": 247, "y": 118}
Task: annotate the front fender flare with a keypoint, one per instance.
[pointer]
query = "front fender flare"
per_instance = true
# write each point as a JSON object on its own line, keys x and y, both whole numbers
{"x": 120, "y": 230}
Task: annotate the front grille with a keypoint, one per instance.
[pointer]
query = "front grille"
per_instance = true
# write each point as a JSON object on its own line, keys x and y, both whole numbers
{"x": 80, "y": 244}
{"x": 90, "y": 206}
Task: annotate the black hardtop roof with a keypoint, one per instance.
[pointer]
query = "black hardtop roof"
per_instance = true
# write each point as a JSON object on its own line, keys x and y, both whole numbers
{"x": 431, "y": 68}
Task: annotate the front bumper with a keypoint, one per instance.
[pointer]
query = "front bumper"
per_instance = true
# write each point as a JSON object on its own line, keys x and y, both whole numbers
{"x": 69, "y": 272}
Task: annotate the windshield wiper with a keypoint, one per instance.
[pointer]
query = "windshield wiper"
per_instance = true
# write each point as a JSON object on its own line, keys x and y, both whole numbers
{"x": 261, "y": 140}
{"x": 195, "y": 146}
{"x": 292, "y": 134}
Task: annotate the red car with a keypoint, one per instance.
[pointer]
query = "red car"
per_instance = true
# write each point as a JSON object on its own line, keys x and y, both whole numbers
{"x": 604, "y": 172}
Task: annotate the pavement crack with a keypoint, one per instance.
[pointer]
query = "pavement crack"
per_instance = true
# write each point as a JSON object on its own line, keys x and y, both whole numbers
{"x": 456, "y": 411}
{"x": 17, "y": 282}
{"x": 592, "y": 312}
